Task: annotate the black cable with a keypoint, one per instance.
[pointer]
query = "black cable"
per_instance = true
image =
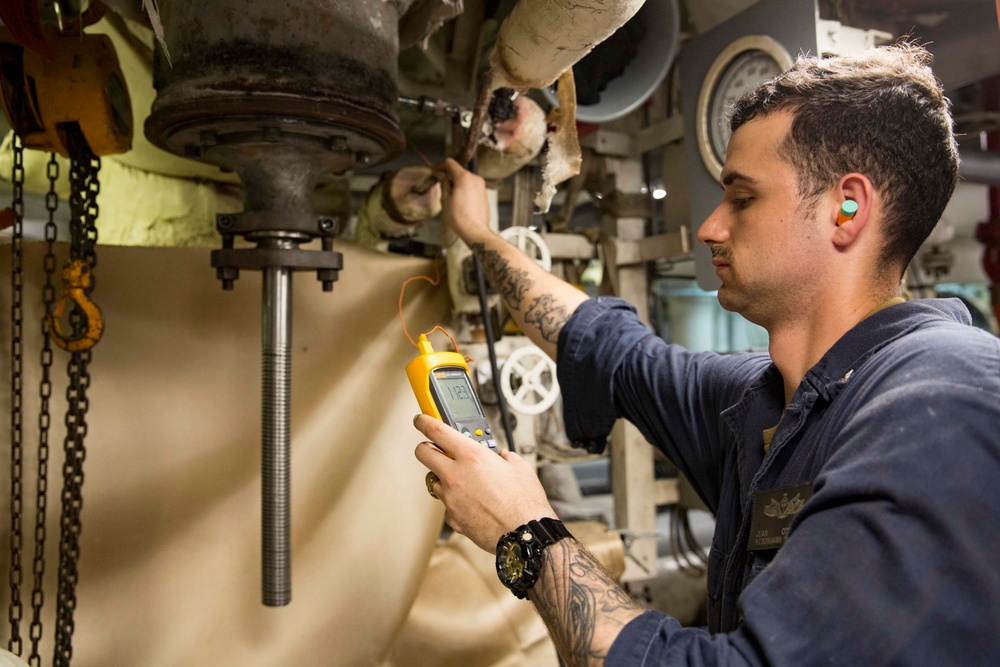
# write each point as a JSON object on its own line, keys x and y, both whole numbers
{"x": 692, "y": 541}
{"x": 686, "y": 564}
{"x": 490, "y": 345}
{"x": 484, "y": 307}
{"x": 680, "y": 550}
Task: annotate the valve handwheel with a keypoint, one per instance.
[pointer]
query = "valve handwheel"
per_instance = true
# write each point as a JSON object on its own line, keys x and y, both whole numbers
{"x": 530, "y": 243}
{"x": 528, "y": 379}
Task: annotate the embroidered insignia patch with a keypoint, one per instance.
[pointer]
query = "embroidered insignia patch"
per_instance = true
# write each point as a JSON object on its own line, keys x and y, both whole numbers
{"x": 773, "y": 512}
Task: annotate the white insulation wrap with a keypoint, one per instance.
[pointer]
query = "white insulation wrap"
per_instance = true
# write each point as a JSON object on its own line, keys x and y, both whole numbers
{"x": 515, "y": 141}
{"x": 541, "y": 39}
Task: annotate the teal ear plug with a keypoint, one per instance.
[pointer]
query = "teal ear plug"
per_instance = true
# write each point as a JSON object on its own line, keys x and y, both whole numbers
{"x": 847, "y": 211}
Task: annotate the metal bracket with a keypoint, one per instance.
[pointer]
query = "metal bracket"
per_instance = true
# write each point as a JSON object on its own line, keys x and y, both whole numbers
{"x": 249, "y": 222}
{"x": 295, "y": 227}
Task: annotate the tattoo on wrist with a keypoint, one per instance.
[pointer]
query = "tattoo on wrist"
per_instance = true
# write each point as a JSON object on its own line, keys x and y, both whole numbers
{"x": 581, "y": 598}
{"x": 548, "y": 315}
{"x": 511, "y": 283}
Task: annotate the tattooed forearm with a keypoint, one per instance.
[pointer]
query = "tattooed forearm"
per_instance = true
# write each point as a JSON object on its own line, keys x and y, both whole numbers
{"x": 511, "y": 283}
{"x": 548, "y": 315}
{"x": 582, "y": 606}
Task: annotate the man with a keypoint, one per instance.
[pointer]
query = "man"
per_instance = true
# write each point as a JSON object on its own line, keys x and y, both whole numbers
{"x": 854, "y": 470}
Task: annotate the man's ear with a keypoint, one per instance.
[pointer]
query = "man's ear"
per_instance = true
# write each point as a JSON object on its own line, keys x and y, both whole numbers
{"x": 856, "y": 188}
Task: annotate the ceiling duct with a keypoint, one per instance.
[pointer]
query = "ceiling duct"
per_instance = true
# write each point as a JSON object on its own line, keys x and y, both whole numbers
{"x": 623, "y": 71}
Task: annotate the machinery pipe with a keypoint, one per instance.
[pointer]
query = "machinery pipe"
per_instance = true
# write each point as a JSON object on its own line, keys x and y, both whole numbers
{"x": 980, "y": 167}
{"x": 275, "y": 436}
{"x": 280, "y": 93}
{"x": 539, "y": 39}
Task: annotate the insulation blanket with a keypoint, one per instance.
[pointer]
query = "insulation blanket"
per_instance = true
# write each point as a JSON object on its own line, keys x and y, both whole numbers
{"x": 541, "y": 39}
{"x": 170, "y": 565}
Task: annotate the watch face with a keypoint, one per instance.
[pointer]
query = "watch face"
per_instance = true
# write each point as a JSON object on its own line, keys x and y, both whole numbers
{"x": 511, "y": 561}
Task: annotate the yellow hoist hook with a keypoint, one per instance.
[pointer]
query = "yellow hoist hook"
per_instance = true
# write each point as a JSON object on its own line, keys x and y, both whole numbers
{"x": 76, "y": 279}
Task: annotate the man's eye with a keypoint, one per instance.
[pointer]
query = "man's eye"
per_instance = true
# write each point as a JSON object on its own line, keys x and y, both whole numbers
{"x": 742, "y": 202}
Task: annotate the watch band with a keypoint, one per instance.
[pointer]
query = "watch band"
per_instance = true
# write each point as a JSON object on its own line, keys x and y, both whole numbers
{"x": 548, "y": 530}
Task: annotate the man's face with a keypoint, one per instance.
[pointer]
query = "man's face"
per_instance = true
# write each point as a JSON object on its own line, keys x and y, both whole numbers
{"x": 766, "y": 245}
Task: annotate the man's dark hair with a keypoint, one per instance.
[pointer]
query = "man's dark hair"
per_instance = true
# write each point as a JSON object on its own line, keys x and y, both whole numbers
{"x": 881, "y": 113}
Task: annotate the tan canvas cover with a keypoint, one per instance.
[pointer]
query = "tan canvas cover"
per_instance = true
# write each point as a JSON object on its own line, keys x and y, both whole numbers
{"x": 170, "y": 567}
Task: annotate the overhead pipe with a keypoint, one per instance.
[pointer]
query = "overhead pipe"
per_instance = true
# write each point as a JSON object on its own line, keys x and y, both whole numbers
{"x": 541, "y": 39}
{"x": 980, "y": 167}
{"x": 538, "y": 41}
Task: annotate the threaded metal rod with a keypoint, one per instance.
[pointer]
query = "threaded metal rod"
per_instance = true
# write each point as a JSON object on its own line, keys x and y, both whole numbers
{"x": 275, "y": 437}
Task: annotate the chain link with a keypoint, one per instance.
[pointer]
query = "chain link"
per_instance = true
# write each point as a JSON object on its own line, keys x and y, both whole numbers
{"x": 84, "y": 168}
{"x": 44, "y": 417}
{"x": 85, "y": 186}
{"x": 16, "y": 609}
{"x": 72, "y": 500}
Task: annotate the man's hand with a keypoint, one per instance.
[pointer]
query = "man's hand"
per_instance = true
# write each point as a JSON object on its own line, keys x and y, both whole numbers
{"x": 464, "y": 206}
{"x": 539, "y": 302}
{"x": 485, "y": 495}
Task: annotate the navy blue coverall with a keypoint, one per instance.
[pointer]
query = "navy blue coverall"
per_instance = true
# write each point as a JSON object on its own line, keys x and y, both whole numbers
{"x": 895, "y": 558}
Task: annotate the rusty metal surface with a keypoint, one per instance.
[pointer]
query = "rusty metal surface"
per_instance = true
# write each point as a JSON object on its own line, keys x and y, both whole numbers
{"x": 341, "y": 134}
{"x": 424, "y": 17}
{"x": 315, "y": 65}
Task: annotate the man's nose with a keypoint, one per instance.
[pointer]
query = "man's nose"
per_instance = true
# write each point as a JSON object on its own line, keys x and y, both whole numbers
{"x": 715, "y": 229}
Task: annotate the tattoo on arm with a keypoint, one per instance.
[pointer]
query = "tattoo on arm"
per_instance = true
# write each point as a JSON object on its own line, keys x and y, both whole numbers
{"x": 548, "y": 316}
{"x": 580, "y": 603}
{"x": 512, "y": 284}
{"x": 544, "y": 313}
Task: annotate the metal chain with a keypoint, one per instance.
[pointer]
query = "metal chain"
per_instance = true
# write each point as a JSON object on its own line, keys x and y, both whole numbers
{"x": 85, "y": 186}
{"x": 44, "y": 418}
{"x": 84, "y": 170}
{"x": 91, "y": 211}
{"x": 16, "y": 412}
{"x": 72, "y": 501}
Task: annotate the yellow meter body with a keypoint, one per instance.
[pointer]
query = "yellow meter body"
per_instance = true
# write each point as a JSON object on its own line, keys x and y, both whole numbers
{"x": 440, "y": 381}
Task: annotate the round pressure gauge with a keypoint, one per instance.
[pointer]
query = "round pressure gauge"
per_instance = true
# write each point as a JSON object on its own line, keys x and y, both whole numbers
{"x": 739, "y": 68}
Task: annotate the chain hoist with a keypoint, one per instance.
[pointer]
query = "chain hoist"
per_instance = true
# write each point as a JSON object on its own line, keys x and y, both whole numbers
{"x": 83, "y": 238}
{"x": 64, "y": 92}
{"x": 84, "y": 317}
{"x": 78, "y": 273}
{"x": 16, "y": 409}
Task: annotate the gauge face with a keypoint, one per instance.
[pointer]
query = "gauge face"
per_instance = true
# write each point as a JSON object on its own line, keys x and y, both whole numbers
{"x": 744, "y": 74}
{"x": 738, "y": 69}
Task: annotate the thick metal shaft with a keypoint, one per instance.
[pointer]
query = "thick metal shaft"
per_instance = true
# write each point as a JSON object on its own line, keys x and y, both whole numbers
{"x": 276, "y": 437}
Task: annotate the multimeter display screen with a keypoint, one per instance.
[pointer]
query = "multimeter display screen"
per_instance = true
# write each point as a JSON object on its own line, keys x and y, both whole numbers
{"x": 457, "y": 394}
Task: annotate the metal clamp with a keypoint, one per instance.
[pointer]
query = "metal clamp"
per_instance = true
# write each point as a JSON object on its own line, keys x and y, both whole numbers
{"x": 259, "y": 225}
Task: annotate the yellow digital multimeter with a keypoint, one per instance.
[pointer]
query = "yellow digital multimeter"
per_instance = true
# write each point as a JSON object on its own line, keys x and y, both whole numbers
{"x": 440, "y": 381}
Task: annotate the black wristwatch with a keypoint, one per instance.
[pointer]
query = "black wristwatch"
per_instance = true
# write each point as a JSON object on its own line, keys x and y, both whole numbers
{"x": 519, "y": 553}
